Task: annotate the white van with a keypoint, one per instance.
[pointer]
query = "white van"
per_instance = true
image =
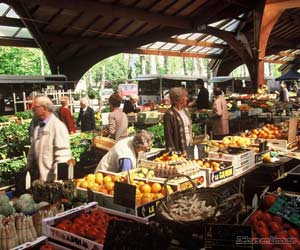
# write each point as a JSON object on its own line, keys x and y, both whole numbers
{"x": 105, "y": 94}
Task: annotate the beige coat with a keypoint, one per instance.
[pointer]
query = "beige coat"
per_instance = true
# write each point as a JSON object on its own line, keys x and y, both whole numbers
{"x": 52, "y": 146}
{"x": 220, "y": 116}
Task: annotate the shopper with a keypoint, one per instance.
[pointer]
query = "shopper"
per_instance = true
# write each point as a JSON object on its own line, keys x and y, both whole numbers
{"x": 177, "y": 122}
{"x": 202, "y": 101}
{"x": 284, "y": 98}
{"x": 50, "y": 144}
{"x": 130, "y": 105}
{"x": 86, "y": 119}
{"x": 220, "y": 115}
{"x": 123, "y": 155}
{"x": 117, "y": 119}
{"x": 65, "y": 114}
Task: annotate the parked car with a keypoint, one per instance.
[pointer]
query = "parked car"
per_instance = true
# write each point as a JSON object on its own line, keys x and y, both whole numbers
{"x": 105, "y": 94}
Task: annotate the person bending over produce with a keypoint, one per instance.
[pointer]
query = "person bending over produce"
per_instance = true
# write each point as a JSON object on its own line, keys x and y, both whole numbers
{"x": 117, "y": 119}
{"x": 123, "y": 155}
{"x": 219, "y": 116}
{"x": 50, "y": 144}
{"x": 177, "y": 122}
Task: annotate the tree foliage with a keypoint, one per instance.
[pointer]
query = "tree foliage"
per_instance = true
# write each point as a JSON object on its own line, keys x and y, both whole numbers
{"x": 22, "y": 61}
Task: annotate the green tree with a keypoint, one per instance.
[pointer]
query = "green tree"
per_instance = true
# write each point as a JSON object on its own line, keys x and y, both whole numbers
{"x": 22, "y": 61}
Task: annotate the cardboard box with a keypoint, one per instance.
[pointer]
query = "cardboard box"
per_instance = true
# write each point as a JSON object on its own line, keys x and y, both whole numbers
{"x": 76, "y": 241}
{"x": 235, "y": 154}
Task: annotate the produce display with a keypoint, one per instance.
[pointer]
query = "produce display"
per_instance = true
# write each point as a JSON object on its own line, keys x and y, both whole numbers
{"x": 92, "y": 225}
{"x": 104, "y": 183}
{"x": 189, "y": 208}
{"x": 8, "y": 168}
{"x": 276, "y": 231}
{"x": 269, "y": 131}
{"x": 165, "y": 169}
{"x": 232, "y": 141}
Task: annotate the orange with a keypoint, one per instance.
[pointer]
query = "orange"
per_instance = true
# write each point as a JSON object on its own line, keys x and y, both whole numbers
{"x": 84, "y": 184}
{"x": 99, "y": 178}
{"x": 109, "y": 186}
{"x": 147, "y": 197}
{"x": 146, "y": 188}
{"x": 155, "y": 188}
{"x": 90, "y": 178}
{"x": 103, "y": 190}
{"x": 158, "y": 196}
{"x": 140, "y": 184}
{"x": 107, "y": 179}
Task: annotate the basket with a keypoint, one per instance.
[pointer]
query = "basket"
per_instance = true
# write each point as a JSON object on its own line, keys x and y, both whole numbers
{"x": 104, "y": 142}
{"x": 171, "y": 208}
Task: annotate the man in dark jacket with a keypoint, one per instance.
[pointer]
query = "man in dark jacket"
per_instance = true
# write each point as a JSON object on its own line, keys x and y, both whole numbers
{"x": 86, "y": 119}
{"x": 130, "y": 105}
{"x": 202, "y": 101}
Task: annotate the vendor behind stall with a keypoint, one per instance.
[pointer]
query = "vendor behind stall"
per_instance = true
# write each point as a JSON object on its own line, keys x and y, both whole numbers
{"x": 130, "y": 105}
{"x": 177, "y": 122}
{"x": 123, "y": 155}
{"x": 220, "y": 115}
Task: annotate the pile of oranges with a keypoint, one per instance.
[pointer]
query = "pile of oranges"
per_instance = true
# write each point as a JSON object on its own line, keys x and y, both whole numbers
{"x": 104, "y": 183}
{"x": 269, "y": 131}
{"x": 99, "y": 182}
{"x": 147, "y": 192}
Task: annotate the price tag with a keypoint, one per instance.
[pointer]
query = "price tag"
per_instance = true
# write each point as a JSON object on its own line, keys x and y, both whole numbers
{"x": 263, "y": 146}
{"x": 62, "y": 171}
{"x": 125, "y": 194}
{"x": 228, "y": 236}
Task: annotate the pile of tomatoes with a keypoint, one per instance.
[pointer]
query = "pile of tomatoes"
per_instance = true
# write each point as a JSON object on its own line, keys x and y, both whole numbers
{"x": 91, "y": 225}
{"x": 269, "y": 226}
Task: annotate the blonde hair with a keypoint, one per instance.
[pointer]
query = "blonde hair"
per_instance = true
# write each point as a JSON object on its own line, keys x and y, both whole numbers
{"x": 176, "y": 94}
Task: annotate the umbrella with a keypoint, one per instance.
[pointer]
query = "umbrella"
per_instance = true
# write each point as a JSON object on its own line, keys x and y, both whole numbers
{"x": 290, "y": 75}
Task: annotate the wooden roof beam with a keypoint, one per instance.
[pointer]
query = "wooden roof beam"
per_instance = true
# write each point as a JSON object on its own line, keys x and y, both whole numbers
{"x": 11, "y": 22}
{"x": 115, "y": 11}
{"x": 18, "y": 42}
{"x": 84, "y": 40}
{"x": 171, "y": 53}
{"x": 196, "y": 43}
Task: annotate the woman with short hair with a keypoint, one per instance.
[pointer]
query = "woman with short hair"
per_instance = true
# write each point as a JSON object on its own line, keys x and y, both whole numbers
{"x": 117, "y": 119}
{"x": 177, "y": 122}
{"x": 123, "y": 155}
{"x": 65, "y": 114}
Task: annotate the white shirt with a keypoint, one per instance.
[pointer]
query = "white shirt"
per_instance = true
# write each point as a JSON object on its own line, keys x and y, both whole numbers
{"x": 186, "y": 123}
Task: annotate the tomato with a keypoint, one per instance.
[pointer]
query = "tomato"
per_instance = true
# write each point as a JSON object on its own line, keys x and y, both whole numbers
{"x": 266, "y": 217}
{"x": 278, "y": 219}
{"x": 292, "y": 232}
{"x": 269, "y": 200}
{"x": 93, "y": 234}
{"x": 62, "y": 226}
{"x": 79, "y": 221}
{"x": 84, "y": 217}
{"x": 275, "y": 227}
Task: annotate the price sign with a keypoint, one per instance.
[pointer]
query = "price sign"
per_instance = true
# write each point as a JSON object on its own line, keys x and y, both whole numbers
{"x": 263, "y": 146}
{"x": 219, "y": 236}
{"x": 147, "y": 209}
{"x": 124, "y": 194}
{"x": 62, "y": 171}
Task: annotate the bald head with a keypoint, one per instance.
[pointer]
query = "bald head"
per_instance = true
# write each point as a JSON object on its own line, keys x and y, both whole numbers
{"x": 84, "y": 102}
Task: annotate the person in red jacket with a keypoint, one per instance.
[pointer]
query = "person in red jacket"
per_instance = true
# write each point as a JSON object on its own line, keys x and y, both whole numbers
{"x": 65, "y": 114}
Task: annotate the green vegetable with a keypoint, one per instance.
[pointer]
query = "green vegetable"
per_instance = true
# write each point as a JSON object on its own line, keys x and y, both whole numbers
{"x": 159, "y": 137}
{"x": 3, "y": 199}
{"x": 4, "y": 119}
{"x": 6, "y": 209}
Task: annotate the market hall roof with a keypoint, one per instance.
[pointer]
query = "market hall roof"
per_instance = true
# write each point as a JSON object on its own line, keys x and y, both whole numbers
{"x": 74, "y": 35}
